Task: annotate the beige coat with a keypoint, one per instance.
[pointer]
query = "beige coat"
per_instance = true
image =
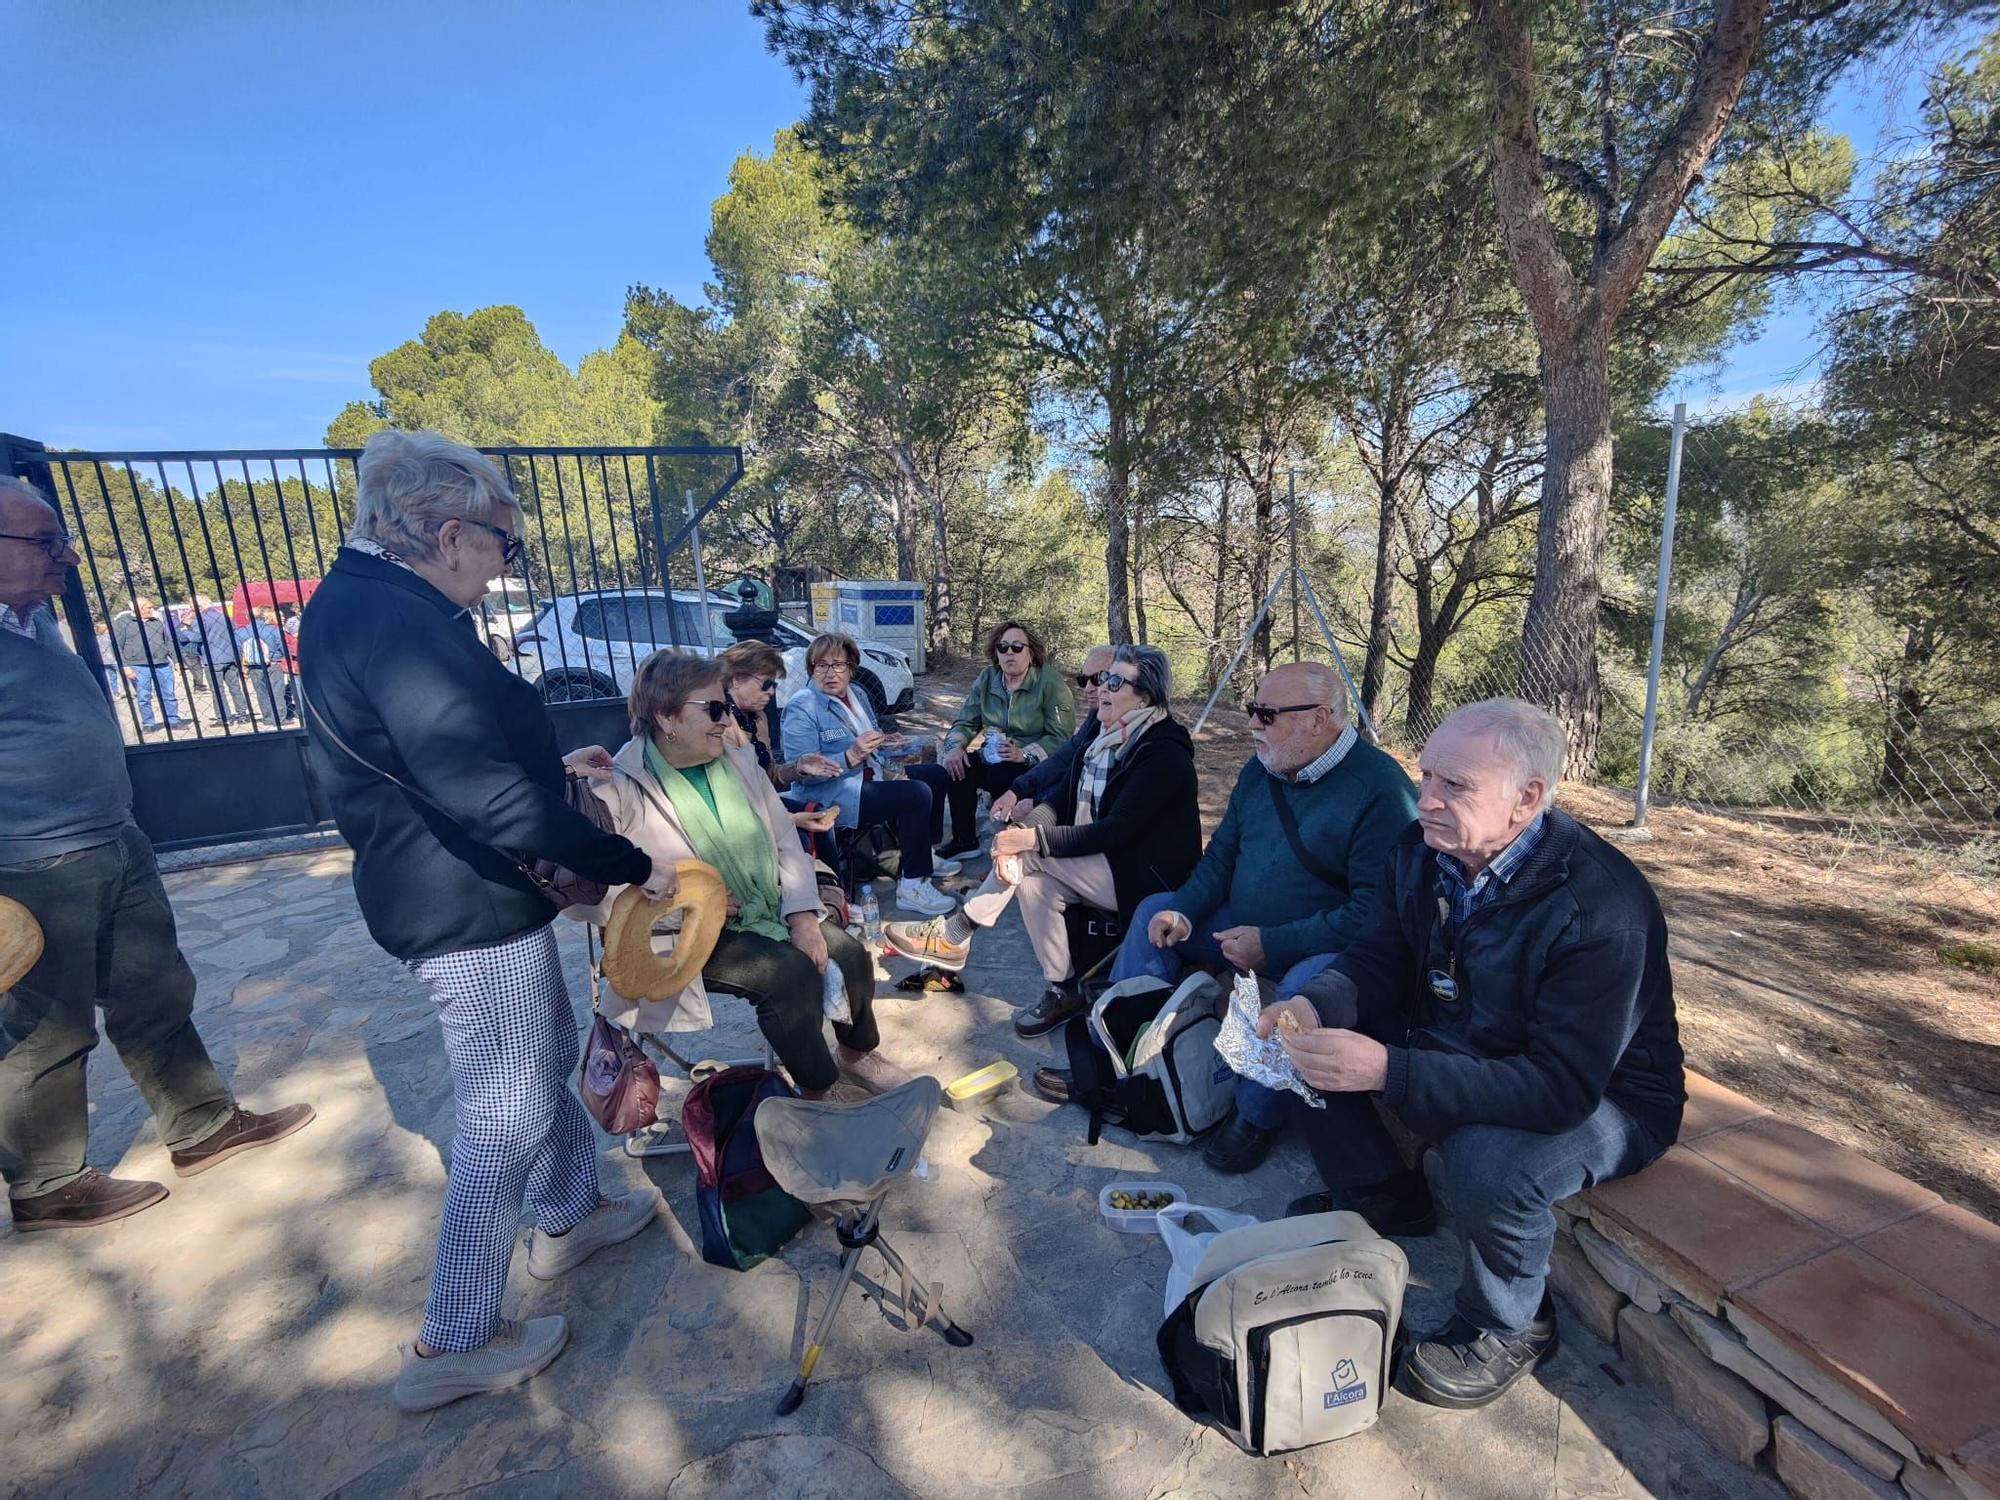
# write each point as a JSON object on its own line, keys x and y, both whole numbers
{"x": 641, "y": 812}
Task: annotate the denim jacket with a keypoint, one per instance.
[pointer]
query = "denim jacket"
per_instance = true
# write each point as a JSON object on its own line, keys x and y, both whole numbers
{"x": 814, "y": 721}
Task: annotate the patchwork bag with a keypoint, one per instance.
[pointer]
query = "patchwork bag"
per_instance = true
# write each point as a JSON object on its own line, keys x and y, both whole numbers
{"x": 1289, "y": 1334}
{"x": 1143, "y": 1056}
{"x": 745, "y": 1216}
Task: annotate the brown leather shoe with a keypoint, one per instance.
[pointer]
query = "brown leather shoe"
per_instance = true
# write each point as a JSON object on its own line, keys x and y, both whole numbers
{"x": 92, "y": 1199}
{"x": 243, "y": 1131}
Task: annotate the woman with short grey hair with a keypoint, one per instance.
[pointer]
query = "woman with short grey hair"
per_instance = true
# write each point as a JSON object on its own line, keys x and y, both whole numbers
{"x": 1126, "y": 824}
{"x": 442, "y": 770}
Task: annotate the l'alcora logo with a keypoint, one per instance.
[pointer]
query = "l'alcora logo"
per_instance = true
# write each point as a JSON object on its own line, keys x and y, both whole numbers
{"x": 1348, "y": 1386}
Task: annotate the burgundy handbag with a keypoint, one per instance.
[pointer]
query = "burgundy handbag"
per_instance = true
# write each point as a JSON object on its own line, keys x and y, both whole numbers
{"x": 619, "y": 1084}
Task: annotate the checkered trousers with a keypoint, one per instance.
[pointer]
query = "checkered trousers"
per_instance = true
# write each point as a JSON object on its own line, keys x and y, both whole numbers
{"x": 511, "y": 1037}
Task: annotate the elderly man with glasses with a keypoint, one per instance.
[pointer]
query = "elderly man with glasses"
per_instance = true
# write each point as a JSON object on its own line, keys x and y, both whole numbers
{"x": 71, "y": 854}
{"x": 1285, "y": 882}
{"x": 1509, "y": 1000}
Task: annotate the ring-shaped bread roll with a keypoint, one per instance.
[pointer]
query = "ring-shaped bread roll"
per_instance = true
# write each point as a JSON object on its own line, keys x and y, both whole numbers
{"x": 20, "y": 942}
{"x": 630, "y": 964}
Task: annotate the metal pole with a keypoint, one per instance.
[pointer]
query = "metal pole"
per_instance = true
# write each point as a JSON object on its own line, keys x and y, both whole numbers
{"x": 1292, "y": 495}
{"x": 1241, "y": 647}
{"x": 700, "y": 578}
{"x": 1642, "y": 796}
{"x": 1366, "y": 719}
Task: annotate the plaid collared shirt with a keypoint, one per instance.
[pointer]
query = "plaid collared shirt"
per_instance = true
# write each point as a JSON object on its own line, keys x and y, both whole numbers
{"x": 11, "y": 621}
{"x": 1487, "y": 885}
{"x": 1333, "y": 755}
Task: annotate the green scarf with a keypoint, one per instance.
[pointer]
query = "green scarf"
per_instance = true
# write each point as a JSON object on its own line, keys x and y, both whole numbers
{"x": 732, "y": 838}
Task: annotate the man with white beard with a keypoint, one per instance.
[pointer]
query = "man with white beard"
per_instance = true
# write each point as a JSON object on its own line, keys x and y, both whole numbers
{"x": 1285, "y": 882}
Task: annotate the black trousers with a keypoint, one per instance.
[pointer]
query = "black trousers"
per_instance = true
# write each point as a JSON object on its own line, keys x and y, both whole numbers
{"x": 787, "y": 992}
{"x": 915, "y": 808}
{"x": 994, "y": 777}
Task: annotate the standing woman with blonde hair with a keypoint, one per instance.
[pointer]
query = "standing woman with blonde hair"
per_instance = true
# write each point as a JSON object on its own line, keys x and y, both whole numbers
{"x": 443, "y": 773}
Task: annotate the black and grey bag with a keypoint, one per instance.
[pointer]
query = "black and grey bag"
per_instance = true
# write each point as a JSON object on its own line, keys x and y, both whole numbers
{"x": 1144, "y": 1057}
{"x": 1289, "y": 1333}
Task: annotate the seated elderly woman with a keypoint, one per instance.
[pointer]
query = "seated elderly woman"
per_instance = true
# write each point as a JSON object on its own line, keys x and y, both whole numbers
{"x": 751, "y": 672}
{"x": 1125, "y": 824}
{"x": 678, "y": 790}
{"x": 829, "y": 716}
{"x": 1019, "y": 710}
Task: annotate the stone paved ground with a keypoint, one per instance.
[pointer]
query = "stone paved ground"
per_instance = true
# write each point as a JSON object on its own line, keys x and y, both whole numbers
{"x": 238, "y": 1339}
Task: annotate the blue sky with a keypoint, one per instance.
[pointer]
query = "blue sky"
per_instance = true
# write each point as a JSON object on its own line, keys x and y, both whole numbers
{"x": 225, "y": 208}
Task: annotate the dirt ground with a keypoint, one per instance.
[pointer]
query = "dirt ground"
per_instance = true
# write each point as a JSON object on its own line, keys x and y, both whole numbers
{"x": 1816, "y": 989}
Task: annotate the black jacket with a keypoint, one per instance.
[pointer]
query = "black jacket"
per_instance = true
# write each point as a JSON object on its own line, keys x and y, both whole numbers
{"x": 1147, "y": 823}
{"x": 1049, "y": 773}
{"x": 401, "y": 675}
{"x": 1564, "y": 997}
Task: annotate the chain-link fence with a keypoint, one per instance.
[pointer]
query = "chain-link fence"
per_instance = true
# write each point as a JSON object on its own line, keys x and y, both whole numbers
{"x": 1829, "y": 658}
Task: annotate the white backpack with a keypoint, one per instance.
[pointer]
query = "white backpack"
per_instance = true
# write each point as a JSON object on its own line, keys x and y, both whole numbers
{"x": 1288, "y": 1336}
{"x": 1144, "y": 1057}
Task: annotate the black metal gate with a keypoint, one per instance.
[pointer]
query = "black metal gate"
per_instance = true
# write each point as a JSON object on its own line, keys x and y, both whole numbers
{"x": 194, "y": 565}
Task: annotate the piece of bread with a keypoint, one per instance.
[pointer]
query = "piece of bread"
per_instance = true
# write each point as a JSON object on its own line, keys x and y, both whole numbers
{"x": 631, "y": 966}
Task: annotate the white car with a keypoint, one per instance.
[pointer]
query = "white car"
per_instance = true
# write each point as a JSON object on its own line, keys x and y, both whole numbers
{"x": 589, "y": 645}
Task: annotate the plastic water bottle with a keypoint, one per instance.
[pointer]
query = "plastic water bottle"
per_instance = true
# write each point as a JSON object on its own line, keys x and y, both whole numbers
{"x": 925, "y": 1170}
{"x": 871, "y": 919}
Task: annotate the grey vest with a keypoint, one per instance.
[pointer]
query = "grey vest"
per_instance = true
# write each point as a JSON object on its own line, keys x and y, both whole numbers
{"x": 63, "y": 784}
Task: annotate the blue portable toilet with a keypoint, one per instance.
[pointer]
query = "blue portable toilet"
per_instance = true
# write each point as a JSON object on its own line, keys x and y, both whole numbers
{"x": 883, "y": 610}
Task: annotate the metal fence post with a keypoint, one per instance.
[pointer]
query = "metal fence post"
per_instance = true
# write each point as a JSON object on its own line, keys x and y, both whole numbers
{"x": 1642, "y": 796}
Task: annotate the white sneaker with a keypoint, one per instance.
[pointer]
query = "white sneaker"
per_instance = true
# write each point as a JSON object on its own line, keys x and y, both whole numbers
{"x": 923, "y": 898}
{"x": 612, "y": 1221}
{"x": 516, "y": 1352}
{"x": 942, "y": 866}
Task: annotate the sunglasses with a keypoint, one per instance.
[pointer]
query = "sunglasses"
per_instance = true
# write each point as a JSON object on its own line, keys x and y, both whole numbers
{"x": 55, "y": 545}
{"x": 1267, "y": 715}
{"x": 1084, "y": 679}
{"x": 1113, "y": 682}
{"x": 718, "y": 708}
{"x": 768, "y": 684}
{"x": 511, "y": 546}
{"x": 1010, "y": 647}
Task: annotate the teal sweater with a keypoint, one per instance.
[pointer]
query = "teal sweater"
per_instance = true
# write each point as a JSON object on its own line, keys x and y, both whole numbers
{"x": 1349, "y": 819}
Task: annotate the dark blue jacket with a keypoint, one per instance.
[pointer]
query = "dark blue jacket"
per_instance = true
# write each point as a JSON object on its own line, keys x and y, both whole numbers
{"x": 1563, "y": 998}
{"x": 1051, "y": 773}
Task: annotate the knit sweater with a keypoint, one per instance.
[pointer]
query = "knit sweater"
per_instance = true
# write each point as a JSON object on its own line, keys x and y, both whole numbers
{"x": 1348, "y": 820}
{"x": 63, "y": 784}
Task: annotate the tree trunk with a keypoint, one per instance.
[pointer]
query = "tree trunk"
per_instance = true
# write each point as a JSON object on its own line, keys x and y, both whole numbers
{"x": 902, "y": 514}
{"x": 1218, "y": 649}
{"x": 939, "y": 630}
{"x": 1902, "y": 774}
{"x": 1117, "y": 517}
{"x": 1262, "y": 488}
{"x": 1375, "y": 661}
{"x": 1137, "y": 547}
{"x": 1559, "y": 641}
{"x": 1417, "y": 722}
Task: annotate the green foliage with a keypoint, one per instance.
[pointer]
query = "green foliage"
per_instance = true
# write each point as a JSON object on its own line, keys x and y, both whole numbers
{"x": 1971, "y": 955}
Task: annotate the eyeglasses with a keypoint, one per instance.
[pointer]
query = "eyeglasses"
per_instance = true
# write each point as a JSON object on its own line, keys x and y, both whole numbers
{"x": 718, "y": 708}
{"x": 55, "y": 545}
{"x": 1113, "y": 682}
{"x": 511, "y": 546}
{"x": 1010, "y": 647}
{"x": 1267, "y": 715}
{"x": 833, "y": 665}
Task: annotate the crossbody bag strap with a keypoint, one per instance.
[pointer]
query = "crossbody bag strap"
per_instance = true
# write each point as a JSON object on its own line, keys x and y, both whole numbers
{"x": 1290, "y": 824}
{"x": 541, "y": 883}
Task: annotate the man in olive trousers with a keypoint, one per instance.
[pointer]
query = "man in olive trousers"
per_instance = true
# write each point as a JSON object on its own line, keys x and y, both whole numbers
{"x": 71, "y": 854}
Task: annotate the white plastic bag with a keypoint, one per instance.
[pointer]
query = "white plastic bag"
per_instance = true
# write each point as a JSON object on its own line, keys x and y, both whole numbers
{"x": 834, "y": 995}
{"x": 1187, "y": 1246}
